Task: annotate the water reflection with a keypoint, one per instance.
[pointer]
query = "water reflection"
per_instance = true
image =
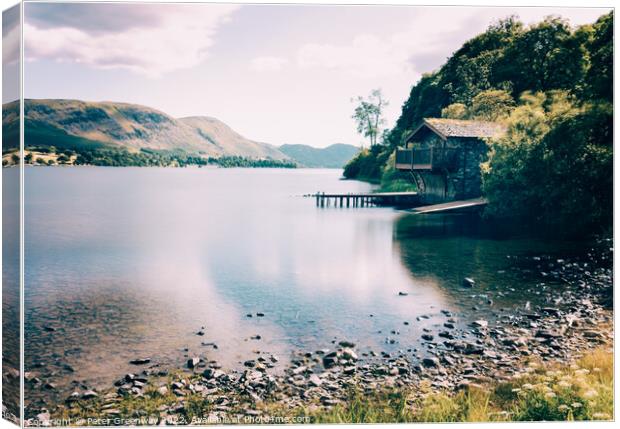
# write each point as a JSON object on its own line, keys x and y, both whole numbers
{"x": 446, "y": 248}
{"x": 124, "y": 263}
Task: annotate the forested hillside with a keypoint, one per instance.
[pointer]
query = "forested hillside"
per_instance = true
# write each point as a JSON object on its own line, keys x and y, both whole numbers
{"x": 108, "y": 133}
{"x": 553, "y": 86}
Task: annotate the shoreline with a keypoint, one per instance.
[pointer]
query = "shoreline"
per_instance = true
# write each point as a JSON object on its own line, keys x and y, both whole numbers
{"x": 577, "y": 320}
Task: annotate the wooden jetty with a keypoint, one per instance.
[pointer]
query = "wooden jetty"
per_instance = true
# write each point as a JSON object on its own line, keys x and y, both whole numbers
{"x": 396, "y": 199}
{"x": 451, "y": 206}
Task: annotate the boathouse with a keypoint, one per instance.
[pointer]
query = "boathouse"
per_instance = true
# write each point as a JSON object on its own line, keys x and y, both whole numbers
{"x": 444, "y": 157}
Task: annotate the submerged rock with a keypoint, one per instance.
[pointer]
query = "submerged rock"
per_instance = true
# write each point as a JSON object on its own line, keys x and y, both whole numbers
{"x": 468, "y": 282}
{"x": 480, "y": 323}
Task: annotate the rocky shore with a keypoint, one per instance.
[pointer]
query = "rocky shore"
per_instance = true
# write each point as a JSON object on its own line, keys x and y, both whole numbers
{"x": 574, "y": 319}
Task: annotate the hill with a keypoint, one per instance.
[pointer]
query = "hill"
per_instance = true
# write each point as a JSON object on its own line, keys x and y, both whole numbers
{"x": 334, "y": 156}
{"x": 75, "y": 124}
{"x": 227, "y": 141}
{"x": 578, "y": 60}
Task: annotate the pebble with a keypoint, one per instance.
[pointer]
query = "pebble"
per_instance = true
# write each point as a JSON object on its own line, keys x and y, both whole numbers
{"x": 430, "y": 362}
{"x": 90, "y": 394}
{"x": 140, "y": 361}
{"x": 315, "y": 381}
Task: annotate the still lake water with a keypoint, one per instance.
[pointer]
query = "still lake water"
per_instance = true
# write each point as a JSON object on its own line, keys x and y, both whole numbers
{"x": 133, "y": 262}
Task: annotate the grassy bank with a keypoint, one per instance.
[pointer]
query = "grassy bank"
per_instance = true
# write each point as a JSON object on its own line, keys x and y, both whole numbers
{"x": 582, "y": 392}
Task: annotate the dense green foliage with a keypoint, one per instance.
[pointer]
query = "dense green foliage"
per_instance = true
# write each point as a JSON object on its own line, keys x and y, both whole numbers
{"x": 393, "y": 180}
{"x": 555, "y": 164}
{"x": 333, "y": 156}
{"x": 368, "y": 164}
{"x": 118, "y": 157}
{"x": 240, "y": 161}
{"x": 562, "y": 155}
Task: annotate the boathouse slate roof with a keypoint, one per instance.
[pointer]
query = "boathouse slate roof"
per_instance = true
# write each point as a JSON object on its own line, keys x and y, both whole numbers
{"x": 460, "y": 128}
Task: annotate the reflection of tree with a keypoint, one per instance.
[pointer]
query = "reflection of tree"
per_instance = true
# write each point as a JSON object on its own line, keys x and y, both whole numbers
{"x": 451, "y": 247}
{"x": 439, "y": 246}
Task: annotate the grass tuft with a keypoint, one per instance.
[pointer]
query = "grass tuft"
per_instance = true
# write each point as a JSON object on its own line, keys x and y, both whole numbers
{"x": 582, "y": 392}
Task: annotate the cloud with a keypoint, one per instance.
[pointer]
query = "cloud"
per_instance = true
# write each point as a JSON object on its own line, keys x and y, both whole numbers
{"x": 88, "y": 17}
{"x": 367, "y": 56}
{"x": 10, "y": 36}
{"x": 151, "y": 40}
{"x": 409, "y": 50}
{"x": 429, "y": 39}
{"x": 268, "y": 64}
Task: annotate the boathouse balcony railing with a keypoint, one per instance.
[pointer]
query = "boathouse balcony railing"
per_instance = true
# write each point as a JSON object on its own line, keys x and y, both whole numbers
{"x": 426, "y": 159}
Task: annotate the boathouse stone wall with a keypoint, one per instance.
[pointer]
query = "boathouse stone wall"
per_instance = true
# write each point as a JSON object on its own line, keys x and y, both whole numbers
{"x": 460, "y": 180}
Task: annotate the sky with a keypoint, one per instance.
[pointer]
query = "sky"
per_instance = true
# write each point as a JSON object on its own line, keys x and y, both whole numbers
{"x": 10, "y": 54}
{"x": 274, "y": 73}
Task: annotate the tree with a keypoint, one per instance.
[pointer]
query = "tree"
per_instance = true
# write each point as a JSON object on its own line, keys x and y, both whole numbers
{"x": 368, "y": 115}
{"x": 471, "y": 68}
{"x": 491, "y": 105}
{"x": 545, "y": 57}
{"x": 454, "y": 111}
{"x": 599, "y": 78}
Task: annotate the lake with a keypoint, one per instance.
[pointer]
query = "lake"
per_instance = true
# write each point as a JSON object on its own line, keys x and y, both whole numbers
{"x": 124, "y": 263}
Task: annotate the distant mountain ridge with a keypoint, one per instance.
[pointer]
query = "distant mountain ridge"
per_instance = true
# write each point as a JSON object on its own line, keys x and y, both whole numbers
{"x": 130, "y": 126}
{"x": 334, "y": 156}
